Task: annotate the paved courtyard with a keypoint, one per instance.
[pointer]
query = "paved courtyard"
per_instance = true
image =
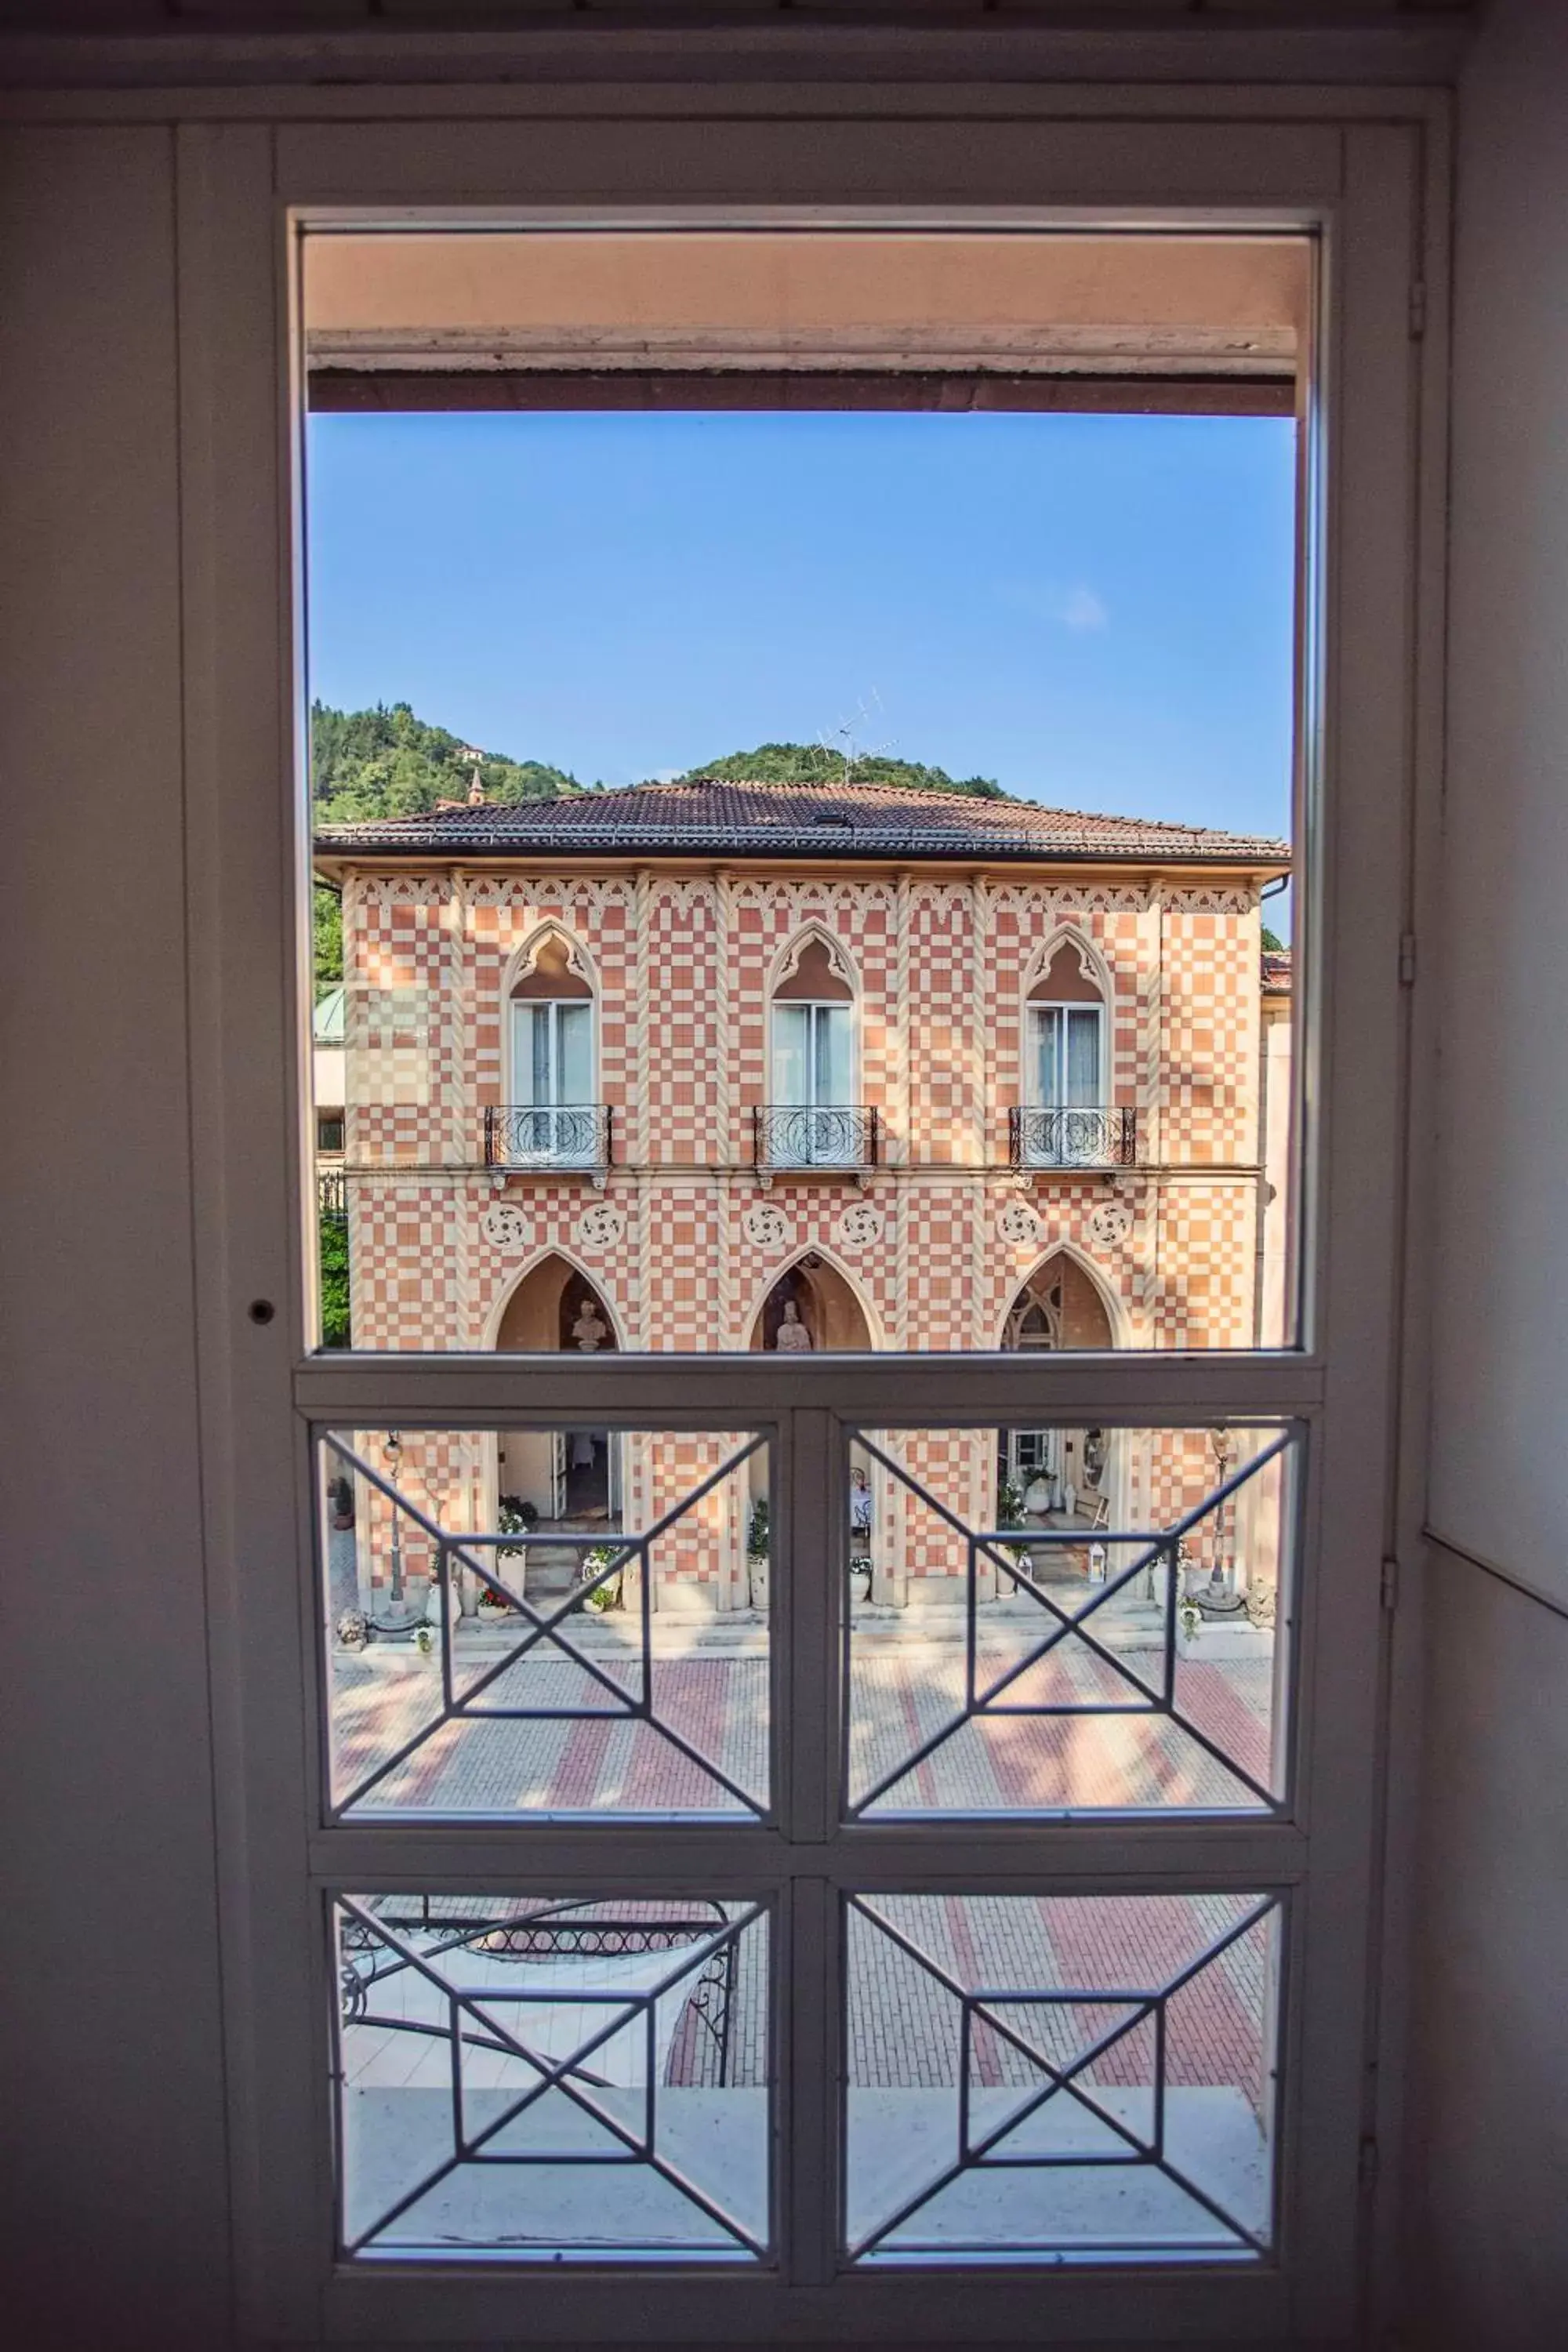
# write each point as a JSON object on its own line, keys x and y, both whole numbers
{"x": 710, "y": 1692}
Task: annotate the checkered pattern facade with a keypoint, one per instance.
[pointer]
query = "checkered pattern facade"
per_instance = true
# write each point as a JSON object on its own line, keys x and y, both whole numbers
{"x": 682, "y": 966}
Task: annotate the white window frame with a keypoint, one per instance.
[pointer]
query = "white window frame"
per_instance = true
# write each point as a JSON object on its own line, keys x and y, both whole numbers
{"x": 820, "y": 1139}
{"x": 1027, "y": 156}
{"x": 1037, "y": 1008}
{"x": 559, "y": 1122}
{"x": 1035, "y": 1155}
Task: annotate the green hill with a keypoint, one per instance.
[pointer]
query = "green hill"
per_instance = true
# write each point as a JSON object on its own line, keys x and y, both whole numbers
{"x": 387, "y": 763}
{"x": 816, "y": 763}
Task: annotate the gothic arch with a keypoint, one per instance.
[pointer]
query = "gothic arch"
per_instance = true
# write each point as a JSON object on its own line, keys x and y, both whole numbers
{"x": 826, "y": 1260}
{"x": 1090, "y": 956}
{"x": 1115, "y": 1313}
{"x": 786, "y": 960}
{"x": 525, "y": 1272}
{"x": 524, "y": 957}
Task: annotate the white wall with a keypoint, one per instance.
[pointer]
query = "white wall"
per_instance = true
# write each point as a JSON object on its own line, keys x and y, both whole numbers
{"x": 111, "y": 2123}
{"x": 1501, "y": 1280}
{"x": 1489, "y": 2263}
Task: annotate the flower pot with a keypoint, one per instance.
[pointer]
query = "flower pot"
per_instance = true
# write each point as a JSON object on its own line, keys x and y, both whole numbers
{"x": 433, "y": 1603}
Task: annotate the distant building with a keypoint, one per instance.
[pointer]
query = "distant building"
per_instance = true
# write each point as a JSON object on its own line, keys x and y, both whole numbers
{"x": 737, "y": 1065}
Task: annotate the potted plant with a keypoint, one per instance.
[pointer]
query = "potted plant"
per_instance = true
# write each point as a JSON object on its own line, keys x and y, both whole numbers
{"x": 514, "y": 1517}
{"x": 757, "y": 1553}
{"x": 1010, "y": 1514}
{"x": 433, "y": 1601}
{"x": 607, "y": 1595}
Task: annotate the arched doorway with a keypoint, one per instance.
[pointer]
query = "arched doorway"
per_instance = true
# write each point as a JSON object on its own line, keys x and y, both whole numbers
{"x": 569, "y": 1479}
{"x": 811, "y": 1297}
{"x": 811, "y": 1308}
{"x": 1058, "y": 1477}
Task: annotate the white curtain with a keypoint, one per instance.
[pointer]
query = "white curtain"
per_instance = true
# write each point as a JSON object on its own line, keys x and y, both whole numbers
{"x": 1068, "y": 1050}
{"x": 554, "y": 1054}
{"x": 813, "y": 1055}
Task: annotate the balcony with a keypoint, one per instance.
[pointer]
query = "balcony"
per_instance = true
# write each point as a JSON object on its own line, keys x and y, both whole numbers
{"x": 553, "y": 1135}
{"x": 812, "y": 1135}
{"x": 1052, "y": 1136}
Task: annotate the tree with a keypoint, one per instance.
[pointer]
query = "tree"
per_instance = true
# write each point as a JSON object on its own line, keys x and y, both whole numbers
{"x": 387, "y": 762}
{"x": 335, "y": 1234}
{"x": 816, "y": 763}
{"x": 327, "y": 931}
{"x": 1271, "y": 945}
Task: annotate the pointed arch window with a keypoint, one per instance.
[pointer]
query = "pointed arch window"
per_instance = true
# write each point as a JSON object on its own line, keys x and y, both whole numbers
{"x": 812, "y": 1119}
{"x": 1066, "y": 1119}
{"x": 552, "y": 1120}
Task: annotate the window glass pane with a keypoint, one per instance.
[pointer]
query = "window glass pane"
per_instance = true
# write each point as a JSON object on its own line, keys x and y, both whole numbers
{"x": 1082, "y": 1058}
{"x": 793, "y": 1060}
{"x": 835, "y": 1054}
{"x": 1068, "y": 1619}
{"x": 1060, "y": 2077}
{"x": 1047, "y": 1023}
{"x": 518, "y": 1621}
{"x": 1074, "y": 771}
{"x": 551, "y": 2078}
{"x": 576, "y": 1054}
{"x": 533, "y": 1053}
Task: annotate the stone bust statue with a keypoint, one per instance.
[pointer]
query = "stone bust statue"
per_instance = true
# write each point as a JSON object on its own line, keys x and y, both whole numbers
{"x": 793, "y": 1338}
{"x": 590, "y": 1330}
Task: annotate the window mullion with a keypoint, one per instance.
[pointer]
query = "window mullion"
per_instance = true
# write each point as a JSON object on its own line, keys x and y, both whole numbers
{"x": 809, "y": 2027}
{"x": 806, "y": 1621}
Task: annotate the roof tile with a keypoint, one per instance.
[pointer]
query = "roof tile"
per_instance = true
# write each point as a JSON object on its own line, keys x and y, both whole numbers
{"x": 710, "y": 816}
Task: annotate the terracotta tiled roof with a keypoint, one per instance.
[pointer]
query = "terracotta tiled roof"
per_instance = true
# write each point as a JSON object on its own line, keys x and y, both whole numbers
{"x": 707, "y": 817}
{"x": 1277, "y": 970}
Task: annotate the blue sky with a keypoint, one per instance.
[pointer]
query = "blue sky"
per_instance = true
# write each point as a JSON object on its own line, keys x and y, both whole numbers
{"x": 1094, "y": 610}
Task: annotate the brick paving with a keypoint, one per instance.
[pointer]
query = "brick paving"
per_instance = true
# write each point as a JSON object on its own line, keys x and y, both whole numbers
{"x": 905, "y": 1687}
{"x": 904, "y": 2024}
{"x": 906, "y": 1681}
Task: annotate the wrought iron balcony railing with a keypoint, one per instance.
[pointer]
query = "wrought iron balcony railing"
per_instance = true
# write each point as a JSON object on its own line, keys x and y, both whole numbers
{"x": 1054, "y": 1137}
{"x": 813, "y": 1135}
{"x": 553, "y": 1135}
{"x": 332, "y": 1194}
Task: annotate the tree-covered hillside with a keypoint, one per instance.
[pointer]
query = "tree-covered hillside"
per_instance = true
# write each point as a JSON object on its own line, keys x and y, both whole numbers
{"x": 387, "y": 763}
{"x": 816, "y": 763}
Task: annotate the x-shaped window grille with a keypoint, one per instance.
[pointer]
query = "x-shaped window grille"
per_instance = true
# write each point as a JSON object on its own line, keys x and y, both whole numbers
{"x": 537, "y": 2041}
{"x": 546, "y": 1628}
{"x": 997, "y": 1694}
{"x": 1129, "y": 2019}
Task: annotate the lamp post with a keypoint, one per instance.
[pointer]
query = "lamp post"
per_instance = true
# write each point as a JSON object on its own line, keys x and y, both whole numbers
{"x": 391, "y": 1455}
{"x": 1222, "y": 1445}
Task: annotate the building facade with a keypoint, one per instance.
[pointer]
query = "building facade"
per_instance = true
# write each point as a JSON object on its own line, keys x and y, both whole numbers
{"x": 721, "y": 1067}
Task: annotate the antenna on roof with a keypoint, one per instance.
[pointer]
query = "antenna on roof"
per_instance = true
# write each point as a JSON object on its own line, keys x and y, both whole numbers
{"x": 841, "y": 743}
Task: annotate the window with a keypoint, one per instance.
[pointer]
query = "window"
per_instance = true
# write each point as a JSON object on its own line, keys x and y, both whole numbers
{"x": 1066, "y": 1120}
{"x": 329, "y": 1133}
{"x": 551, "y": 1119}
{"x": 949, "y": 2041}
{"x": 811, "y": 1117}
